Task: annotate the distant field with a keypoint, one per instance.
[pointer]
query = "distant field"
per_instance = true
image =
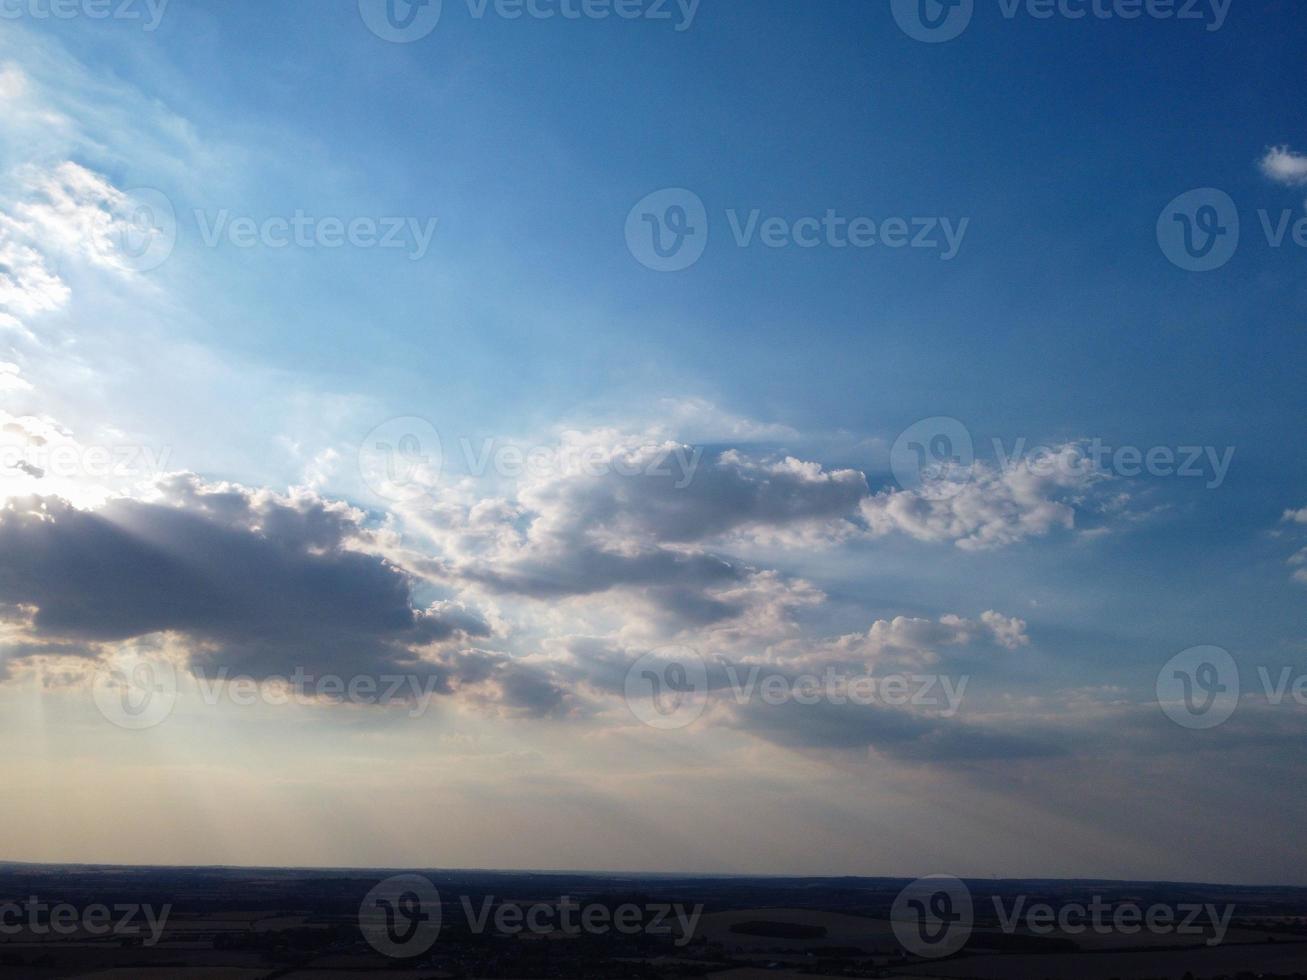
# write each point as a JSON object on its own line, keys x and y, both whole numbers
{"x": 841, "y": 930}
{"x": 1148, "y": 965}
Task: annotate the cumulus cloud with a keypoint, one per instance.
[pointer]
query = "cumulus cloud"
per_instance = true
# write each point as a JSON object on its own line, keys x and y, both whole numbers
{"x": 1284, "y": 166}
{"x": 904, "y": 642}
{"x": 634, "y": 520}
{"x": 997, "y": 506}
{"x": 253, "y": 581}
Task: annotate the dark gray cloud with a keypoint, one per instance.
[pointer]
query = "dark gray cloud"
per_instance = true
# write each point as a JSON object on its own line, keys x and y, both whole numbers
{"x": 718, "y": 496}
{"x": 257, "y": 583}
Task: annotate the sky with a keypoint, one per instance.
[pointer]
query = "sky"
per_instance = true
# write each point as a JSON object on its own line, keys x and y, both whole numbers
{"x": 842, "y": 438}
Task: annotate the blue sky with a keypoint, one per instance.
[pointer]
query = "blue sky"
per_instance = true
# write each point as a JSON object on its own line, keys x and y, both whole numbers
{"x": 1050, "y": 146}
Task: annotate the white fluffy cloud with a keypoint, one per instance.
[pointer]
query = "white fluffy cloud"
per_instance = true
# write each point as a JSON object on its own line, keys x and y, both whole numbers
{"x": 996, "y": 506}
{"x": 1284, "y": 166}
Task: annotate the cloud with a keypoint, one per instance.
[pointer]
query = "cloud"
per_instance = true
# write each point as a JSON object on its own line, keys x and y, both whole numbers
{"x": 27, "y": 285}
{"x": 254, "y": 581}
{"x": 11, "y": 378}
{"x": 893, "y": 732}
{"x": 1284, "y": 166}
{"x": 904, "y": 642}
{"x": 1299, "y": 559}
{"x": 13, "y": 82}
{"x": 644, "y": 518}
{"x": 75, "y": 212}
{"x": 996, "y": 507}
